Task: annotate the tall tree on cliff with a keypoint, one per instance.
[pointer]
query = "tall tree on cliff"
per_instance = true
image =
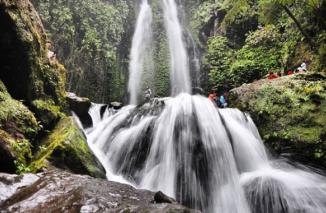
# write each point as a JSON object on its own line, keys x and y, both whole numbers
{"x": 312, "y": 6}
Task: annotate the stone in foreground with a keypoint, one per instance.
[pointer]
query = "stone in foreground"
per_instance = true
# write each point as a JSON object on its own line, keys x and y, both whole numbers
{"x": 58, "y": 191}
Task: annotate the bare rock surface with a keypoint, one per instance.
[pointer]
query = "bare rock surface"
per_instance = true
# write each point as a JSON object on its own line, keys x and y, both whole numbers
{"x": 57, "y": 191}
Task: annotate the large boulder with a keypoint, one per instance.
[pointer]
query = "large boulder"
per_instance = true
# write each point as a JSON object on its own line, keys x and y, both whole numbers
{"x": 66, "y": 148}
{"x": 58, "y": 191}
{"x": 80, "y": 106}
{"x": 290, "y": 113}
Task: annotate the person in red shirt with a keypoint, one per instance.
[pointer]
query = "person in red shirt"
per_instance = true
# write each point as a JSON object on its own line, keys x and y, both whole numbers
{"x": 290, "y": 72}
{"x": 272, "y": 75}
{"x": 212, "y": 96}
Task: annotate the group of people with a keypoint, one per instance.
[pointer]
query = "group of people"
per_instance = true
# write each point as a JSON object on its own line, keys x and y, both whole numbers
{"x": 301, "y": 69}
{"x": 220, "y": 101}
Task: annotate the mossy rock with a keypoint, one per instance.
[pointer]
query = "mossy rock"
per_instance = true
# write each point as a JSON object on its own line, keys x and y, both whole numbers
{"x": 25, "y": 69}
{"x": 16, "y": 118}
{"x": 66, "y": 148}
{"x": 15, "y": 153}
{"x": 18, "y": 128}
{"x": 290, "y": 113}
{"x": 47, "y": 112}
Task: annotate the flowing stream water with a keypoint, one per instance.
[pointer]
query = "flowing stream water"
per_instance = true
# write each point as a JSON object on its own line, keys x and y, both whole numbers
{"x": 206, "y": 158}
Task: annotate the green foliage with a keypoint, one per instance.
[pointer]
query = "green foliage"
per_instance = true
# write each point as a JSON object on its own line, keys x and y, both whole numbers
{"x": 86, "y": 35}
{"x": 289, "y": 113}
{"x": 219, "y": 56}
{"x": 261, "y": 54}
{"x": 19, "y": 149}
{"x": 322, "y": 55}
{"x": 204, "y": 13}
{"x": 23, "y": 152}
{"x": 47, "y": 112}
{"x": 162, "y": 76}
{"x": 235, "y": 9}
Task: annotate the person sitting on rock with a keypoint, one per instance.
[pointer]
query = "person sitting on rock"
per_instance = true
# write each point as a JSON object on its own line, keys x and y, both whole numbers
{"x": 304, "y": 66}
{"x": 148, "y": 93}
{"x": 271, "y": 75}
{"x": 223, "y": 103}
{"x": 290, "y": 72}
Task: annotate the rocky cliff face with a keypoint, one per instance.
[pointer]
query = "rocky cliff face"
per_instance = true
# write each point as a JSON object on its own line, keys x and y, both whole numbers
{"x": 33, "y": 100}
{"x": 290, "y": 113}
{"x": 25, "y": 70}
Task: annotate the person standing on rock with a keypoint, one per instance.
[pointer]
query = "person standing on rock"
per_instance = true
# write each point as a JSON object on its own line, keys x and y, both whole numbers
{"x": 148, "y": 93}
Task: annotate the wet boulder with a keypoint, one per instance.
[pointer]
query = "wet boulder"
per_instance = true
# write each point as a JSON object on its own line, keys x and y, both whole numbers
{"x": 160, "y": 197}
{"x": 66, "y": 148}
{"x": 116, "y": 105}
{"x": 58, "y": 191}
{"x": 80, "y": 106}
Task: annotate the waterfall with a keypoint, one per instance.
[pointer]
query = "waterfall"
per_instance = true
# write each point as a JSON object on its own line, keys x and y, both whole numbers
{"x": 141, "y": 51}
{"x": 207, "y": 158}
{"x": 140, "y": 55}
{"x": 179, "y": 61}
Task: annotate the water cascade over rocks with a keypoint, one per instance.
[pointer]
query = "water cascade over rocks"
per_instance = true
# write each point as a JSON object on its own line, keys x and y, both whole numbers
{"x": 206, "y": 158}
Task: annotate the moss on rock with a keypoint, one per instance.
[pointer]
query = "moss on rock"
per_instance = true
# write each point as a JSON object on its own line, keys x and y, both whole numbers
{"x": 290, "y": 113}
{"x": 18, "y": 126}
{"x": 47, "y": 112}
{"x": 66, "y": 148}
{"x": 25, "y": 69}
{"x": 16, "y": 118}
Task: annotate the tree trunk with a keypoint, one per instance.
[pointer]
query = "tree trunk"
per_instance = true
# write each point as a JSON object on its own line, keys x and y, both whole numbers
{"x": 303, "y": 32}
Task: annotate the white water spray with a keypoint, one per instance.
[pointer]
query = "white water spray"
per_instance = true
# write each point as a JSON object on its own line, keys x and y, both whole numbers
{"x": 179, "y": 61}
{"x": 207, "y": 158}
{"x": 140, "y": 51}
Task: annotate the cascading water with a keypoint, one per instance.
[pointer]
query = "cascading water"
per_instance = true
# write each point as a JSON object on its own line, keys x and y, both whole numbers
{"x": 207, "y": 158}
{"x": 179, "y": 61}
{"x": 140, "y": 55}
